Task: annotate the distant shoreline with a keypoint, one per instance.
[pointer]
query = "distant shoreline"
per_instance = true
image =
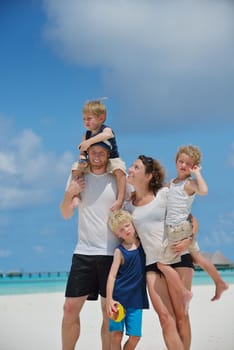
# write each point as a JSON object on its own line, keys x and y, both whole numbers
{"x": 219, "y": 267}
{"x": 50, "y": 282}
{"x": 19, "y": 273}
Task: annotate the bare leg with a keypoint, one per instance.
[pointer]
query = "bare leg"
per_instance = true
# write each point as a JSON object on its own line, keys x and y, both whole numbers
{"x": 105, "y": 334}
{"x": 116, "y": 338}
{"x": 121, "y": 187}
{"x": 182, "y": 320}
{"x": 161, "y": 302}
{"x": 75, "y": 201}
{"x": 131, "y": 343}
{"x": 205, "y": 264}
{"x": 174, "y": 282}
{"x": 71, "y": 322}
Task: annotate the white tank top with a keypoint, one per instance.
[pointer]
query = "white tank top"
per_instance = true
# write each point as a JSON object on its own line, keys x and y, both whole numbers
{"x": 179, "y": 204}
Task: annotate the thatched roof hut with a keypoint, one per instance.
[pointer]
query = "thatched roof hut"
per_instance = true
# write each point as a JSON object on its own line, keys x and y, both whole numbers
{"x": 218, "y": 259}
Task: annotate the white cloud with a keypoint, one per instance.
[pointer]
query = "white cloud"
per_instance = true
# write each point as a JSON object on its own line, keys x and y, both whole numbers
{"x": 39, "y": 249}
{"x": 173, "y": 58}
{"x": 223, "y": 233}
{"x": 7, "y": 164}
{"x": 177, "y": 34}
{"x": 29, "y": 175}
{"x": 4, "y": 253}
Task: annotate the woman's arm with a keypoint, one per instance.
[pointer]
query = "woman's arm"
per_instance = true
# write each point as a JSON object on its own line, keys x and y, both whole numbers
{"x": 181, "y": 246}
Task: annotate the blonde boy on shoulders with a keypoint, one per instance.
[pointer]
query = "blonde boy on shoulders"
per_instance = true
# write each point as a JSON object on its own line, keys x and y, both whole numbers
{"x": 94, "y": 117}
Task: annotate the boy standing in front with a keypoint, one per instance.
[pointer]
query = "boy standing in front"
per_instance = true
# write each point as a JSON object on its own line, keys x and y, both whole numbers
{"x": 126, "y": 282}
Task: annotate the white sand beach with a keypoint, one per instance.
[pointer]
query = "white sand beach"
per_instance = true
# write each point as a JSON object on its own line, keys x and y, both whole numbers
{"x": 33, "y": 322}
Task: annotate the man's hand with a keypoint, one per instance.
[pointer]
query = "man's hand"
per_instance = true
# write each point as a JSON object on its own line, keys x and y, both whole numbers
{"x": 76, "y": 186}
{"x": 67, "y": 206}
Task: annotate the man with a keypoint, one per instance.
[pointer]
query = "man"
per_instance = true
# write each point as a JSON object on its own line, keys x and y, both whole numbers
{"x": 93, "y": 254}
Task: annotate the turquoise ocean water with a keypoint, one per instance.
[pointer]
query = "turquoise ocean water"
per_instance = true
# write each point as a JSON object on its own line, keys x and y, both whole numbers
{"x": 56, "y": 282}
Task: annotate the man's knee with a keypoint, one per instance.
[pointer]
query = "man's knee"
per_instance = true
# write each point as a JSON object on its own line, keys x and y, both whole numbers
{"x": 70, "y": 311}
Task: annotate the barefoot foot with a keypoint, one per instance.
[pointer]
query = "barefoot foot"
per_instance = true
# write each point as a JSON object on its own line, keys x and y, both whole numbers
{"x": 220, "y": 287}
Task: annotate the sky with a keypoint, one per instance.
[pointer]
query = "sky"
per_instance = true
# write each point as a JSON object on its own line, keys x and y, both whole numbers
{"x": 167, "y": 70}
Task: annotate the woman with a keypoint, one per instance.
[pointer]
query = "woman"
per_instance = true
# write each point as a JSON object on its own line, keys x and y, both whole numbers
{"x": 148, "y": 207}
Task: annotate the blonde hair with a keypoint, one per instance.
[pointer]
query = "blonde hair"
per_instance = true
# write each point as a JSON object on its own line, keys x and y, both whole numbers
{"x": 192, "y": 152}
{"x": 117, "y": 218}
{"x": 96, "y": 108}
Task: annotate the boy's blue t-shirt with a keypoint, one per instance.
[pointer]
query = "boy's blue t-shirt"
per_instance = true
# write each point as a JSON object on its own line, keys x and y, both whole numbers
{"x": 114, "y": 151}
